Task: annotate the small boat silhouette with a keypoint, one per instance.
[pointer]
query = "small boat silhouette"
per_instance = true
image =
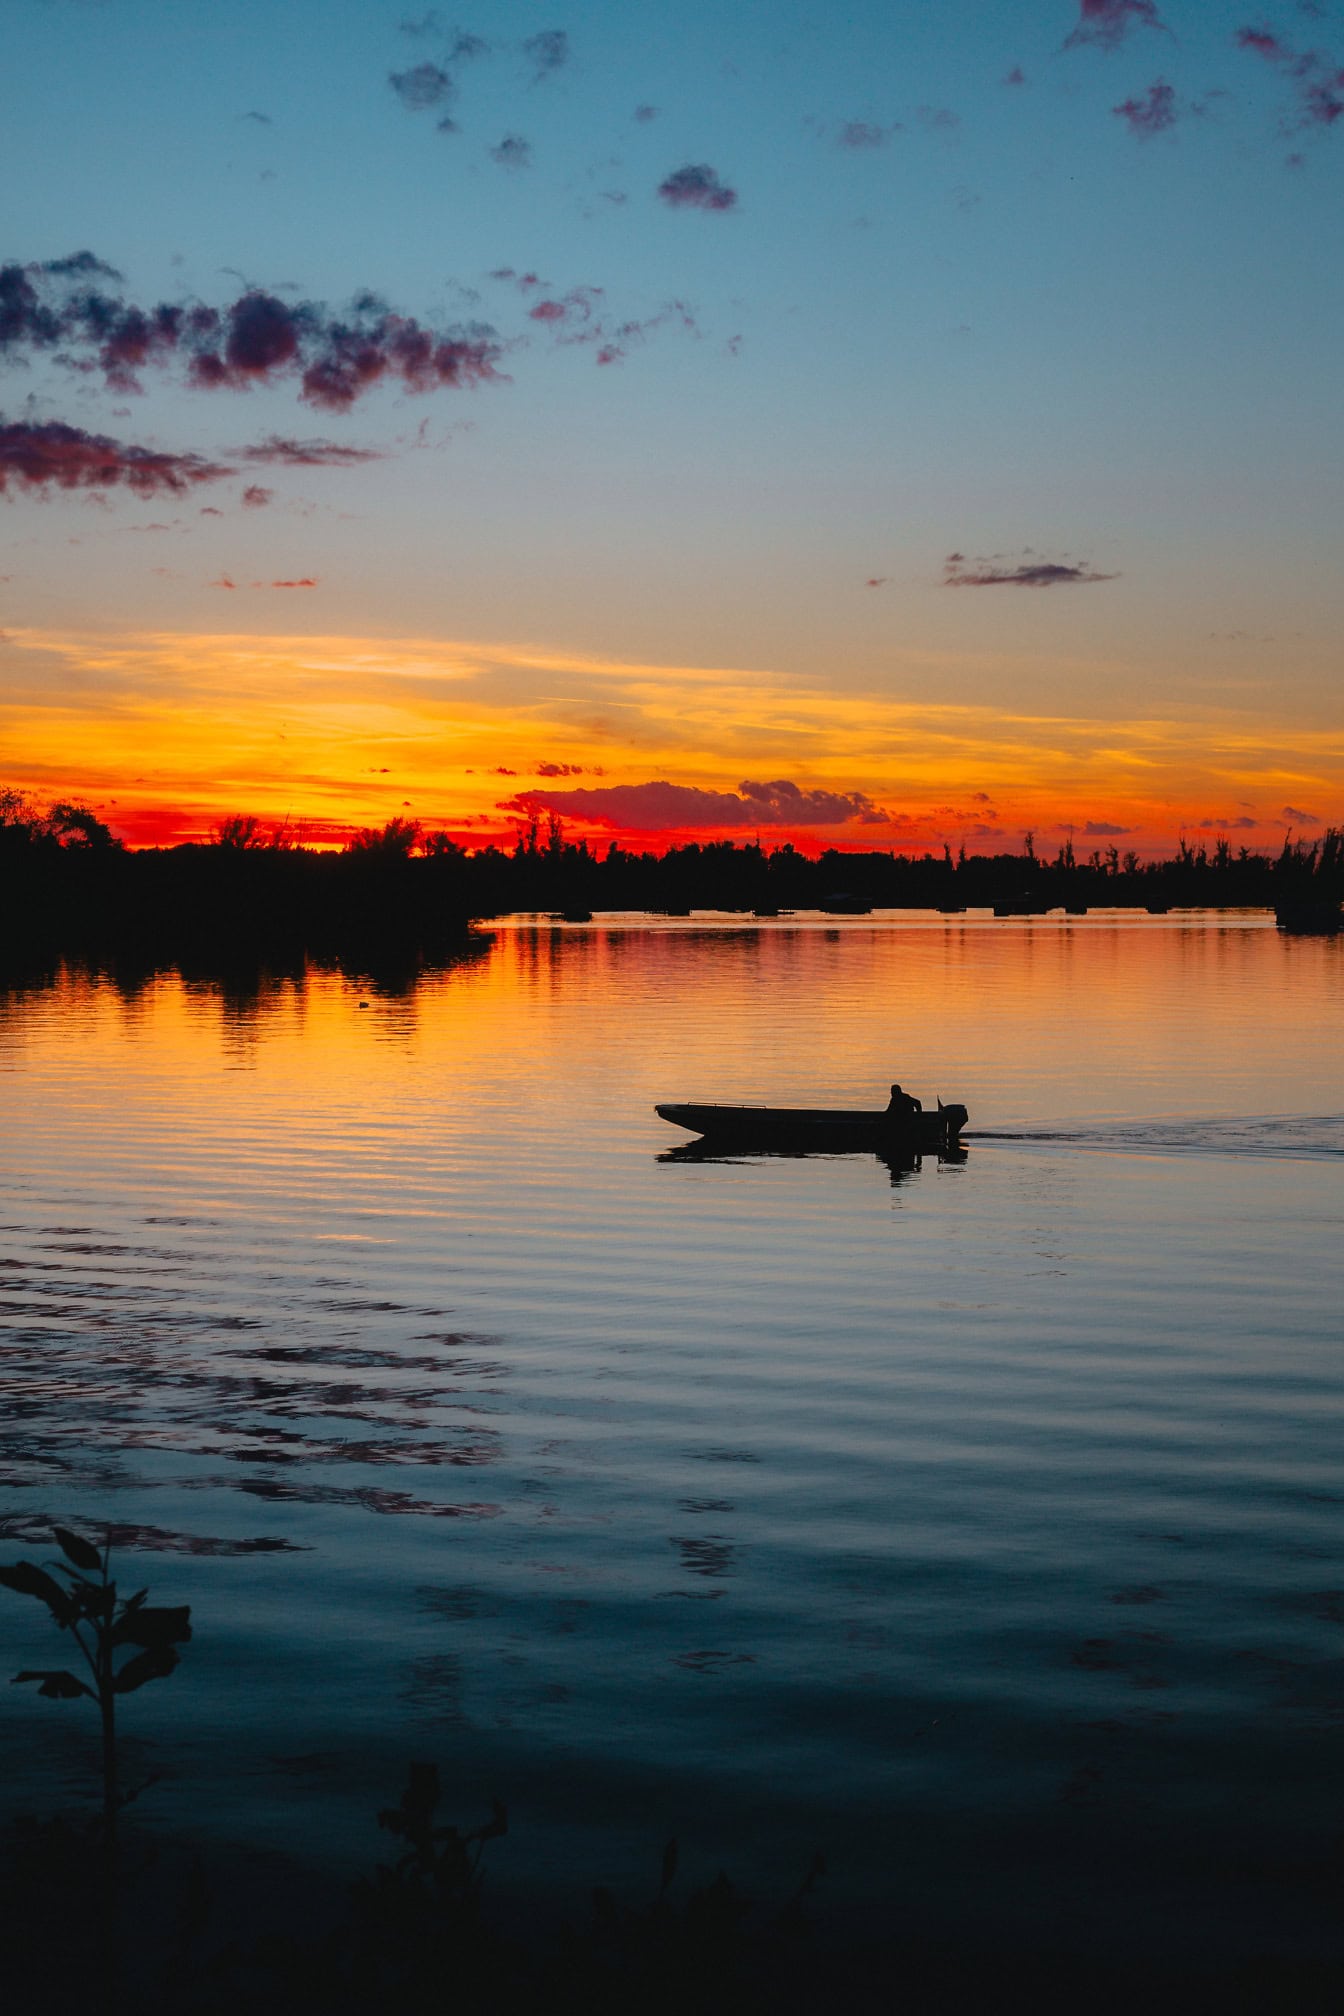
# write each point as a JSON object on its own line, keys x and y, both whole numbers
{"x": 796, "y": 1129}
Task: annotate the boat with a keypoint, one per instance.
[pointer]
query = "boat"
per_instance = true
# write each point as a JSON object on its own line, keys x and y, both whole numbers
{"x": 1309, "y": 917}
{"x": 837, "y": 1129}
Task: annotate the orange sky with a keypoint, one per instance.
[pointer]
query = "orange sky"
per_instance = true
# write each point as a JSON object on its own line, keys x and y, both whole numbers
{"x": 165, "y": 733}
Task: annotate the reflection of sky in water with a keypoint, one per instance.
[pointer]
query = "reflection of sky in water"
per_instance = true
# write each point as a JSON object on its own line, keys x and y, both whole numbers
{"x": 760, "y": 1499}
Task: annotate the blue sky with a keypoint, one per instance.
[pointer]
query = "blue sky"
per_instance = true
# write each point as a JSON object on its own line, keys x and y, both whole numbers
{"x": 956, "y": 299}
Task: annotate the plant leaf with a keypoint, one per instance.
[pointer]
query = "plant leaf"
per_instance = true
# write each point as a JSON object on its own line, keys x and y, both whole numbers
{"x": 75, "y": 1548}
{"x": 156, "y": 1664}
{"x": 57, "y": 1686}
{"x": 30, "y": 1580}
{"x": 149, "y": 1626}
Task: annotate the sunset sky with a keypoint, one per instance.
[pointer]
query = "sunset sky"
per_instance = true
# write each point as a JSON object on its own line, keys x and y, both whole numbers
{"x": 864, "y": 426}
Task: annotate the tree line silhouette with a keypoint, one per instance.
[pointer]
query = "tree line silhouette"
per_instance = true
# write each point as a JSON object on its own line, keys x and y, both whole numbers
{"x": 67, "y": 883}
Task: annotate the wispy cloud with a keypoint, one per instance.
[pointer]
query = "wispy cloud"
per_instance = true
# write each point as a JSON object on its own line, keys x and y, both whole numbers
{"x": 307, "y": 454}
{"x": 1154, "y": 112}
{"x": 697, "y": 187}
{"x": 48, "y": 454}
{"x": 513, "y": 152}
{"x": 863, "y": 134}
{"x": 1317, "y": 78}
{"x": 1107, "y": 22}
{"x": 960, "y": 572}
{"x": 257, "y": 496}
{"x": 547, "y": 53}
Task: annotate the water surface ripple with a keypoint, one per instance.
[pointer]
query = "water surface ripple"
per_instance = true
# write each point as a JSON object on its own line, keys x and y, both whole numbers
{"x": 981, "y": 1523}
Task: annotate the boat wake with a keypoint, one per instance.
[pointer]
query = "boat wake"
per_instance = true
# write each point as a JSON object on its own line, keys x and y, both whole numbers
{"x": 1306, "y": 1136}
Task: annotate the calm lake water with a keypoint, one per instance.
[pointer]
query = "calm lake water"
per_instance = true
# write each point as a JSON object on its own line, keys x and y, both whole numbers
{"x": 982, "y": 1526}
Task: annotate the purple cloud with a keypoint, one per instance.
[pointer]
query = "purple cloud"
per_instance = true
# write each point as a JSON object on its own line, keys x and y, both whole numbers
{"x": 1298, "y": 816}
{"x": 49, "y": 454}
{"x": 1101, "y": 829}
{"x": 1317, "y": 78}
{"x": 1154, "y": 113}
{"x": 256, "y": 496}
{"x": 1107, "y": 22}
{"x": 697, "y": 187}
{"x": 1017, "y": 75}
{"x": 961, "y": 573}
{"x": 513, "y": 152}
{"x": 661, "y": 807}
{"x": 644, "y": 113}
{"x": 257, "y": 340}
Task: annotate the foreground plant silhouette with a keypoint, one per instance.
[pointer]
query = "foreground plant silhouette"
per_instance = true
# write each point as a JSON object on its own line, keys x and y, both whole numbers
{"x": 103, "y": 1625}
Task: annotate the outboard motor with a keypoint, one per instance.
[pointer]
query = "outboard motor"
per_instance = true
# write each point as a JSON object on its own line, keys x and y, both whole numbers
{"x": 954, "y": 1118}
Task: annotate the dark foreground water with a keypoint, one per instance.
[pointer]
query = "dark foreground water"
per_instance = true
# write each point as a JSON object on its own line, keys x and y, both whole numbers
{"x": 982, "y": 1526}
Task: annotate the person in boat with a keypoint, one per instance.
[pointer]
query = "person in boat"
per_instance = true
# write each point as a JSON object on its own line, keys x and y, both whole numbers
{"x": 902, "y": 1105}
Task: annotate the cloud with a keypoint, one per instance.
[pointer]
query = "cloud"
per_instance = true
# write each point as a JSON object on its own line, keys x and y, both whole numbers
{"x": 877, "y": 581}
{"x": 513, "y": 152}
{"x": 48, "y": 453}
{"x": 257, "y": 340}
{"x": 307, "y": 581}
{"x": 560, "y": 769}
{"x": 1017, "y": 75}
{"x": 547, "y": 53}
{"x": 423, "y": 87}
{"x": 697, "y": 187}
{"x": 644, "y": 113}
{"x": 256, "y": 119}
{"x": 1101, "y": 829}
{"x": 1240, "y": 824}
{"x": 662, "y": 807}
{"x": 858, "y": 134}
{"x": 85, "y": 265}
{"x": 1151, "y": 114}
{"x": 1317, "y": 79}
{"x": 256, "y": 495}
{"x": 1298, "y": 816}
{"x": 307, "y": 454}
{"x": 961, "y": 573}
{"x": 1263, "y": 43}
{"x": 940, "y": 117}
{"x": 1107, "y": 22}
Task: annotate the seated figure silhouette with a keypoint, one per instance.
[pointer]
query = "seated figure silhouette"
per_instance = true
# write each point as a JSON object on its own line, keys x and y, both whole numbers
{"x": 903, "y": 1105}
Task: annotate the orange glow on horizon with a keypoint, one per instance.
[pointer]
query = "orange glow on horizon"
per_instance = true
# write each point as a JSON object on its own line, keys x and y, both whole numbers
{"x": 167, "y": 734}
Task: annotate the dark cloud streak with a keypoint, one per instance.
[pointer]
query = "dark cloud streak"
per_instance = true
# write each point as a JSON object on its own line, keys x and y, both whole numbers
{"x": 51, "y": 455}
{"x": 961, "y": 573}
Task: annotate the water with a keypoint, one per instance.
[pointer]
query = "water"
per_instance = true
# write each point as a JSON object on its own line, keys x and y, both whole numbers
{"x": 980, "y": 1525}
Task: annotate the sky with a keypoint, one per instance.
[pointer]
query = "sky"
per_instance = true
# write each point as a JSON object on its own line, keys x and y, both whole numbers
{"x": 889, "y": 426}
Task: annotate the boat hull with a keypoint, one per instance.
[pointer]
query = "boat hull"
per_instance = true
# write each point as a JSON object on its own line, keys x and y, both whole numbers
{"x": 821, "y": 1128}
